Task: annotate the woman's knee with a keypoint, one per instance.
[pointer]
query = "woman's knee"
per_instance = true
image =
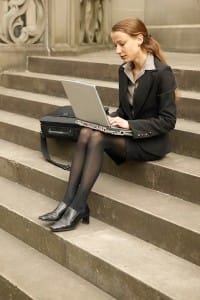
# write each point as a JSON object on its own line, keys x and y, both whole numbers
{"x": 84, "y": 136}
{"x": 97, "y": 138}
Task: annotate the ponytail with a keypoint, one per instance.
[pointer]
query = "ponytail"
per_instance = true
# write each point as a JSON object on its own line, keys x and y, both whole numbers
{"x": 153, "y": 47}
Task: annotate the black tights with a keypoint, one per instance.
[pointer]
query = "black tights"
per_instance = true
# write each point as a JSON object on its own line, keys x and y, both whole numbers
{"x": 87, "y": 163}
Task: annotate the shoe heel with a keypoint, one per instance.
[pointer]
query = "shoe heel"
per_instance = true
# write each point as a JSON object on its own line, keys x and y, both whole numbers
{"x": 86, "y": 219}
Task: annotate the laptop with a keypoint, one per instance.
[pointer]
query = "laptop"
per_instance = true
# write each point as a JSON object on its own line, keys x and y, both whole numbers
{"x": 88, "y": 108}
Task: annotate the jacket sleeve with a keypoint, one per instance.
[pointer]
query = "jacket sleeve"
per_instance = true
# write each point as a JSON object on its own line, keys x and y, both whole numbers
{"x": 118, "y": 113}
{"x": 165, "y": 118}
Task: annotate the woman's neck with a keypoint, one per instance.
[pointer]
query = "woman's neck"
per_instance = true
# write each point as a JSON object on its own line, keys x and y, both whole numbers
{"x": 140, "y": 61}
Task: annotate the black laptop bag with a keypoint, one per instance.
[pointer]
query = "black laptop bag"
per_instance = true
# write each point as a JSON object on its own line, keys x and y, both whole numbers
{"x": 58, "y": 124}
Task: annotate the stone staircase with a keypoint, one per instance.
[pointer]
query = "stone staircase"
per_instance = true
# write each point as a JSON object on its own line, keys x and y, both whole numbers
{"x": 143, "y": 242}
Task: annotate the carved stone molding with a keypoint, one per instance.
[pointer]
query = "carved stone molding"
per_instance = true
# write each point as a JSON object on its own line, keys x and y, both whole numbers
{"x": 78, "y": 25}
{"x": 22, "y": 21}
{"x": 91, "y": 21}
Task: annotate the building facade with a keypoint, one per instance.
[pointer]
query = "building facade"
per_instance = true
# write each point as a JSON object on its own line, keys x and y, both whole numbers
{"x": 52, "y": 27}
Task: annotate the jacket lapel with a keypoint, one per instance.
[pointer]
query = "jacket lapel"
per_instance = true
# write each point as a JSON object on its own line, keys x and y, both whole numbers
{"x": 123, "y": 95}
{"x": 143, "y": 90}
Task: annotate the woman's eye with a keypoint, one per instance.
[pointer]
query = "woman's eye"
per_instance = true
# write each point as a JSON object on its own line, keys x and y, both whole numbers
{"x": 120, "y": 44}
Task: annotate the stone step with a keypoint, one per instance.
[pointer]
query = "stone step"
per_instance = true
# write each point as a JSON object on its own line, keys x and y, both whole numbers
{"x": 188, "y": 105}
{"x": 51, "y": 85}
{"x": 168, "y": 175}
{"x": 185, "y": 139}
{"x": 132, "y": 208}
{"x": 27, "y": 274}
{"x": 37, "y": 87}
{"x": 25, "y": 131}
{"x": 187, "y": 61}
{"x": 95, "y": 70}
{"x": 20, "y": 129}
{"x": 29, "y": 104}
{"x": 103, "y": 255}
{"x": 106, "y": 67}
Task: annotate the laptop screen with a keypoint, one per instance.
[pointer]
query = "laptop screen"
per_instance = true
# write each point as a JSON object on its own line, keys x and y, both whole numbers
{"x": 85, "y": 102}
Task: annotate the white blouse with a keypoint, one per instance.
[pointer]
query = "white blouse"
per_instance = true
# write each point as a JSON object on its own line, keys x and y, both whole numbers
{"x": 133, "y": 82}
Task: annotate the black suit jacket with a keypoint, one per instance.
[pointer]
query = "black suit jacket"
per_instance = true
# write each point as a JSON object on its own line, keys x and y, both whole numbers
{"x": 154, "y": 110}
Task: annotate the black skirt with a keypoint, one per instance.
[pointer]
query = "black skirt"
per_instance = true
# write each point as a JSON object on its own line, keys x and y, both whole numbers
{"x": 134, "y": 152}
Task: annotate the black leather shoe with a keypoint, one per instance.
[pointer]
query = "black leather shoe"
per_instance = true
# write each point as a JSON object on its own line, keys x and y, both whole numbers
{"x": 70, "y": 220}
{"x": 56, "y": 214}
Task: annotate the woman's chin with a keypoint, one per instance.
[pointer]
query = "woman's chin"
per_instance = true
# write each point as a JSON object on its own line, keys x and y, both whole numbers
{"x": 125, "y": 59}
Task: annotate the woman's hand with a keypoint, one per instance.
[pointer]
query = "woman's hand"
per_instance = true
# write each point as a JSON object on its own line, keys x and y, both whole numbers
{"x": 118, "y": 122}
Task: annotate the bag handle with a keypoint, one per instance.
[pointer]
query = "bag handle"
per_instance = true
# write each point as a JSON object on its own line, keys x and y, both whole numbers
{"x": 45, "y": 152}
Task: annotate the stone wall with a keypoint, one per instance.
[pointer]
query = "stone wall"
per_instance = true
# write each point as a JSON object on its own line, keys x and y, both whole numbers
{"x": 128, "y": 8}
{"x": 62, "y": 27}
{"x": 51, "y": 27}
{"x": 175, "y": 24}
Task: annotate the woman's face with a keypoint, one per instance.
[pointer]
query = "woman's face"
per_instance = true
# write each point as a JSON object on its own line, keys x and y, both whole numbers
{"x": 127, "y": 47}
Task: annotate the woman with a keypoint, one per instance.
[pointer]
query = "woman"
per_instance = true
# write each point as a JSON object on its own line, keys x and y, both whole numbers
{"x": 146, "y": 106}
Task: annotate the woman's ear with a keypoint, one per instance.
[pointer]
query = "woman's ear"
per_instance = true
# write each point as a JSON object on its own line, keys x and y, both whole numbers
{"x": 140, "y": 39}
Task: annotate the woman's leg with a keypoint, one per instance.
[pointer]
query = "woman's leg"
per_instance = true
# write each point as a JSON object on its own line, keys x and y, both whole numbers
{"x": 75, "y": 175}
{"x": 77, "y": 164}
{"x": 97, "y": 143}
{"x": 91, "y": 167}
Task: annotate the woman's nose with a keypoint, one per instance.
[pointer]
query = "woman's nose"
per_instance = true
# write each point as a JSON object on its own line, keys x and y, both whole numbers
{"x": 118, "y": 49}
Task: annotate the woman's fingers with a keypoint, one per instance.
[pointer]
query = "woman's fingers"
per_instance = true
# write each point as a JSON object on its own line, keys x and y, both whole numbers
{"x": 119, "y": 122}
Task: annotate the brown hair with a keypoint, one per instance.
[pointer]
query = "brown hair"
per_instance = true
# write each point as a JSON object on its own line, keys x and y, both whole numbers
{"x": 134, "y": 27}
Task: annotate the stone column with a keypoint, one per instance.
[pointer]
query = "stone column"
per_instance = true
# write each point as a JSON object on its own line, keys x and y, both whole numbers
{"x": 78, "y": 25}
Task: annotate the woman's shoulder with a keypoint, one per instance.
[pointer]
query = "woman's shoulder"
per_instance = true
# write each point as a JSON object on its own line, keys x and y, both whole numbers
{"x": 160, "y": 65}
{"x": 165, "y": 75}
